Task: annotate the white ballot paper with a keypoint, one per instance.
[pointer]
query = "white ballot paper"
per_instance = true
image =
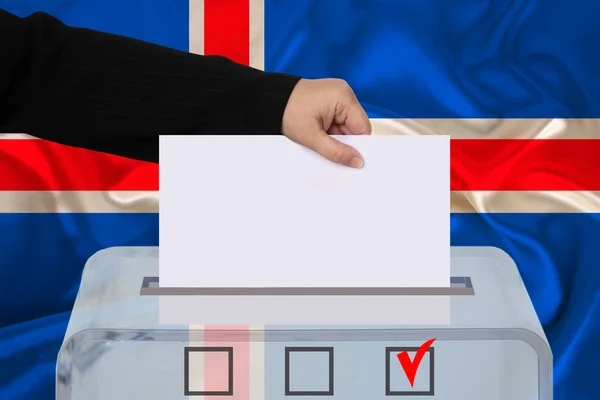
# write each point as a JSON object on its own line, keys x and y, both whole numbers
{"x": 264, "y": 212}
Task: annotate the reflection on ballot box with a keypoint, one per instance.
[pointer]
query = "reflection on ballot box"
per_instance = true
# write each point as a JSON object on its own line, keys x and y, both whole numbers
{"x": 116, "y": 348}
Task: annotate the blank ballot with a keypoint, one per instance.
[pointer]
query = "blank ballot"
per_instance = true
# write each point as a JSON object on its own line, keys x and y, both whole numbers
{"x": 262, "y": 211}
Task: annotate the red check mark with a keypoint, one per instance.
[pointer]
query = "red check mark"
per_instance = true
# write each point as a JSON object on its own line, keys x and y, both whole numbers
{"x": 410, "y": 367}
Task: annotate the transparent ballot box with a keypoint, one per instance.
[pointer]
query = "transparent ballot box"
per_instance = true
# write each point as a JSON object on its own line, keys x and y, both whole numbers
{"x": 128, "y": 338}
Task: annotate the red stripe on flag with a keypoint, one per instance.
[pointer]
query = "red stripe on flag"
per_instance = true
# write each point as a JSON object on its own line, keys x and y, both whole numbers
{"x": 227, "y": 29}
{"x": 216, "y": 367}
{"x": 40, "y": 165}
{"x": 484, "y": 164}
{"x": 525, "y": 164}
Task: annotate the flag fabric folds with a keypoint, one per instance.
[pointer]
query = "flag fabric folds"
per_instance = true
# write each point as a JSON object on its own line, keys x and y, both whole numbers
{"x": 515, "y": 84}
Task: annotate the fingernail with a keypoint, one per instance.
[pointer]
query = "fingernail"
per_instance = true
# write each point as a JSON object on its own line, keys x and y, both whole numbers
{"x": 356, "y": 162}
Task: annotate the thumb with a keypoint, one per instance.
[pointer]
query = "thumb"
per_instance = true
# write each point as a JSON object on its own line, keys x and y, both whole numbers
{"x": 336, "y": 151}
{"x": 357, "y": 122}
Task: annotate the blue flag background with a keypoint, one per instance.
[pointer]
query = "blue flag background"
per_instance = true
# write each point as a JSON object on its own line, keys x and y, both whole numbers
{"x": 405, "y": 59}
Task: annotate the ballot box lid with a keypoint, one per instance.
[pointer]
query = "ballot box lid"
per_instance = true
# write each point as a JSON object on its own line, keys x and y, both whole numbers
{"x": 118, "y": 291}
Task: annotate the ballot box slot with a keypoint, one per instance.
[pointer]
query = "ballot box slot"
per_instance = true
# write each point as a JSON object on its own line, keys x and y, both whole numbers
{"x": 459, "y": 286}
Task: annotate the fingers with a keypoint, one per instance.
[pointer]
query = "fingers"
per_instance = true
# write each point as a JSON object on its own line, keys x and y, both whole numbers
{"x": 336, "y": 129}
{"x": 350, "y": 118}
{"x": 336, "y": 151}
{"x": 316, "y": 107}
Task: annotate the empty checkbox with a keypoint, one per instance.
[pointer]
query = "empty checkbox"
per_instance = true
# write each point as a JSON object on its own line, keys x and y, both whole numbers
{"x": 309, "y": 371}
{"x": 208, "y": 371}
{"x": 396, "y": 380}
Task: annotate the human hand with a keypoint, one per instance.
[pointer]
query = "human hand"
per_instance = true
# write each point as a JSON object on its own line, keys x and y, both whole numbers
{"x": 322, "y": 107}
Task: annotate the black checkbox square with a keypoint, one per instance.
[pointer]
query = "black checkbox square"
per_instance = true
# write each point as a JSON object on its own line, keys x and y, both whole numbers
{"x": 309, "y": 371}
{"x": 189, "y": 354}
{"x": 425, "y": 378}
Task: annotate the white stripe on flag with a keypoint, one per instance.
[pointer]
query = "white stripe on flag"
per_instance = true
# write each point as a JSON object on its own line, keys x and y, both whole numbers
{"x": 473, "y": 128}
{"x": 585, "y": 128}
{"x": 14, "y": 136}
{"x": 78, "y": 202}
{"x": 257, "y": 37}
{"x": 257, "y": 362}
{"x": 147, "y": 202}
{"x": 196, "y": 369}
{"x": 196, "y": 35}
{"x": 525, "y": 202}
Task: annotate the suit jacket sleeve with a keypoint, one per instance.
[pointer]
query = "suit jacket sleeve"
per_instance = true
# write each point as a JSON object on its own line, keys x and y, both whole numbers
{"x": 114, "y": 94}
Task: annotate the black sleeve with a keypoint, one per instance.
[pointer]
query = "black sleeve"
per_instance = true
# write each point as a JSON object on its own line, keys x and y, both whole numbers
{"x": 114, "y": 94}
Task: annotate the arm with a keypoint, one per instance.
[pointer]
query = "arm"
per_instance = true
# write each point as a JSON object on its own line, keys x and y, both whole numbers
{"x": 113, "y": 94}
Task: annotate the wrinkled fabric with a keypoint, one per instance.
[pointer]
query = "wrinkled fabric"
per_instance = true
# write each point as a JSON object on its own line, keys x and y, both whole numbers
{"x": 471, "y": 69}
{"x": 442, "y": 59}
